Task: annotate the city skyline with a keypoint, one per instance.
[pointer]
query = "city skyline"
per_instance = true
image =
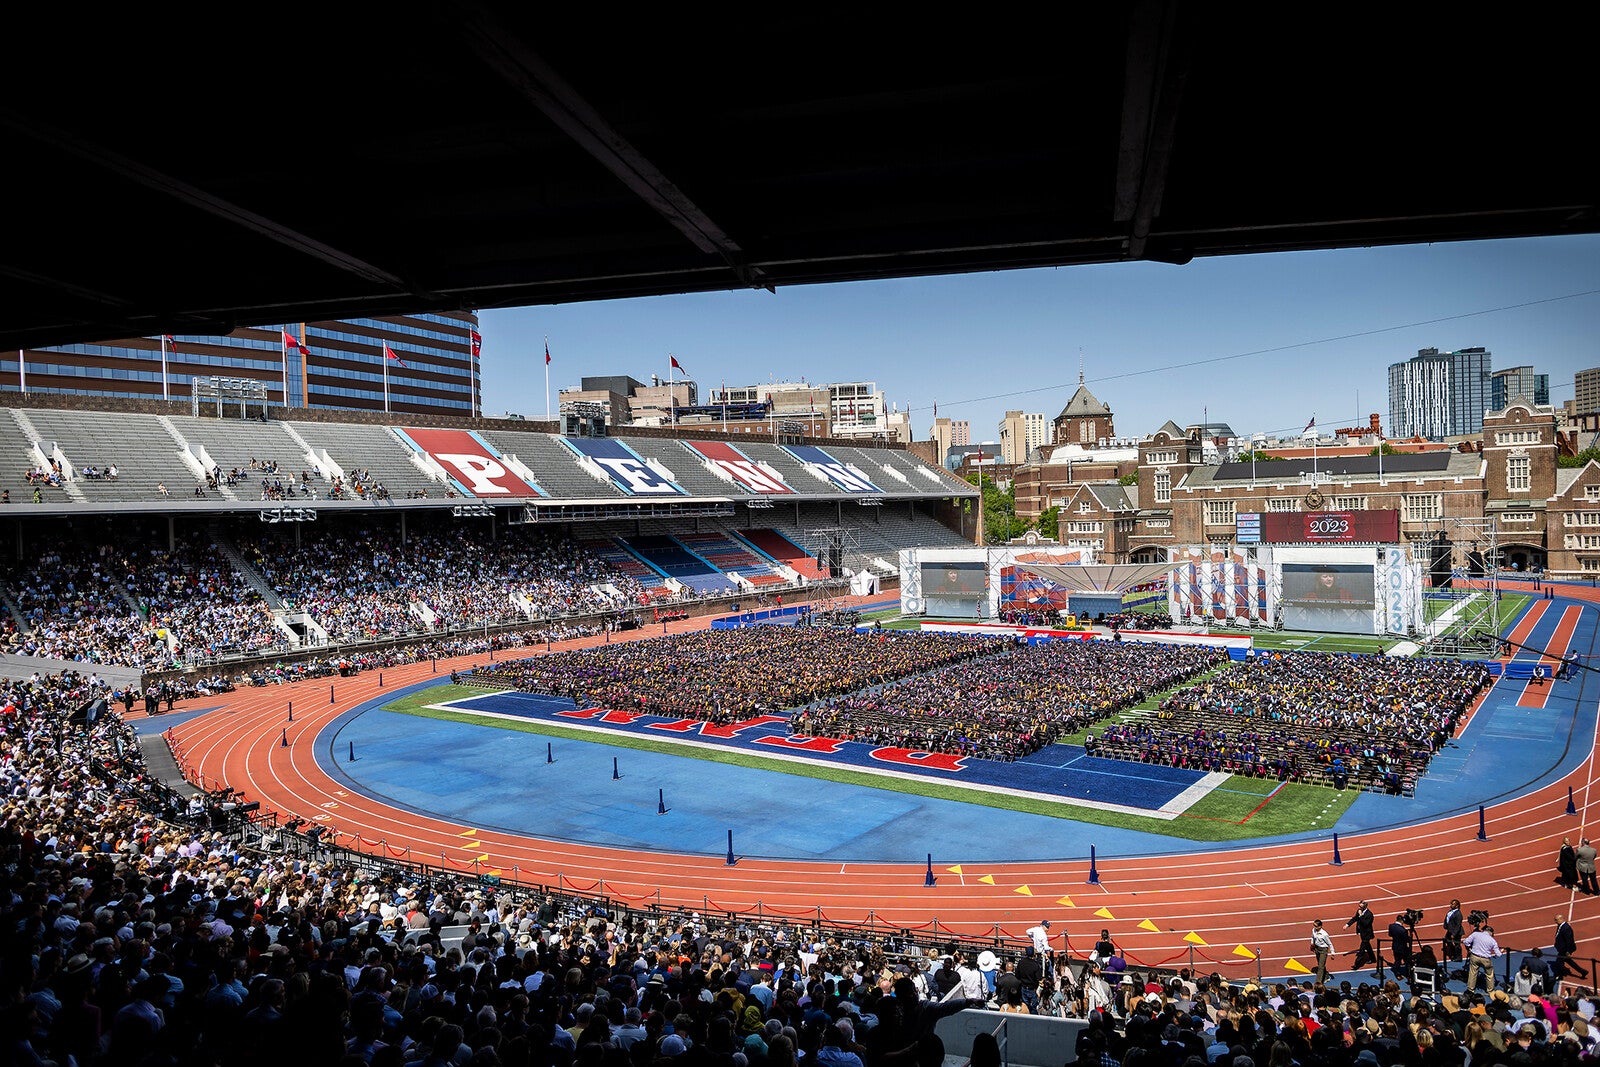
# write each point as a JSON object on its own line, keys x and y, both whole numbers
{"x": 1316, "y": 330}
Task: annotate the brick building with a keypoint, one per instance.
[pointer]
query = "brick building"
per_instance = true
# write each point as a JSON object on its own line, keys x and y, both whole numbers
{"x": 1084, "y": 420}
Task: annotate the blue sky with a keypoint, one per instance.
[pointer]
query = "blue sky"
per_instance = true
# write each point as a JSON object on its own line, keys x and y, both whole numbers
{"x": 1286, "y": 335}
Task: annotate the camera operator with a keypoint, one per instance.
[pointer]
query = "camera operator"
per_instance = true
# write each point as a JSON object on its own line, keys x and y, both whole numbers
{"x": 1402, "y": 933}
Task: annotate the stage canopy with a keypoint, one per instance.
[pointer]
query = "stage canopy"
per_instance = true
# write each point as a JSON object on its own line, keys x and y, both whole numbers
{"x": 1096, "y": 578}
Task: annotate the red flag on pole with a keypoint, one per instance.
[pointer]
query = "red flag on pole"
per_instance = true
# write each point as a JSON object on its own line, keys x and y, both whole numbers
{"x": 547, "y": 353}
{"x": 389, "y": 352}
{"x": 676, "y": 364}
{"x": 477, "y": 343}
{"x": 170, "y": 342}
{"x": 289, "y": 339}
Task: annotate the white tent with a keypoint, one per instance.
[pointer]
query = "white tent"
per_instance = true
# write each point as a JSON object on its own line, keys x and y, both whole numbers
{"x": 863, "y": 583}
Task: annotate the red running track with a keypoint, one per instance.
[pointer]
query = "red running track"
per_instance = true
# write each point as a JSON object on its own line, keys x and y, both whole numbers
{"x": 1263, "y": 897}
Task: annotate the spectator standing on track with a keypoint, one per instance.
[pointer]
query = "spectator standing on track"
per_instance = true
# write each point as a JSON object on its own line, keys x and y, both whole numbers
{"x": 1586, "y": 876}
{"x": 1321, "y": 947}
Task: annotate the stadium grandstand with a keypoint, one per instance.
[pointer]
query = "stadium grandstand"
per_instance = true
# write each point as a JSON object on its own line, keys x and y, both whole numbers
{"x": 159, "y": 540}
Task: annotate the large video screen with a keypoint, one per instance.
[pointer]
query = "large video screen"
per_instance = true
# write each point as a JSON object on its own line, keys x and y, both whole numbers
{"x": 954, "y": 579}
{"x": 1328, "y": 585}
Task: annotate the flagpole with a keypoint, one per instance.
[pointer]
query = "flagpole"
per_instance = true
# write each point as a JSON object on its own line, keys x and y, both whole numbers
{"x": 724, "y": 405}
{"x": 22, "y": 370}
{"x": 672, "y": 392}
{"x": 383, "y": 357}
{"x": 547, "y": 378}
{"x": 166, "y": 390}
{"x": 284, "y": 343}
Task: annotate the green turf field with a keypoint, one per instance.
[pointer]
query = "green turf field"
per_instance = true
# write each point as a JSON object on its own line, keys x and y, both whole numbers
{"x": 1240, "y": 809}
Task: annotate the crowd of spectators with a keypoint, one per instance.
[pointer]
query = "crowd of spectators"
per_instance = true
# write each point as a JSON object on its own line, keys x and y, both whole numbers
{"x": 728, "y": 675}
{"x": 368, "y": 583}
{"x": 71, "y": 608}
{"x": 1021, "y": 700}
{"x": 1329, "y": 717}
{"x": 194, "y": 592}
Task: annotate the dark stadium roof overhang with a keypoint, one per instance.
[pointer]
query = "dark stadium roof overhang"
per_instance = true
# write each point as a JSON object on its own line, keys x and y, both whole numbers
{"x": 329, "y": 162}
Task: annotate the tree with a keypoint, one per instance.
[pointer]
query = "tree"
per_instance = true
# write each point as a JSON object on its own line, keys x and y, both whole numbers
{"x": 1000, "y": 522}
{"x": 1129, "y": 479}
{"x": 1049, "y": 523}
{"x": 1385, "y": 449}
{"x": 1258, "y": 457}
{"x": 1580, "y": 460}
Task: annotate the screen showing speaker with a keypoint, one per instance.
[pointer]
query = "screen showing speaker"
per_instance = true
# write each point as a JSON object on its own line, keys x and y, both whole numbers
{"x": 953, "y": 579}
{"x": 1328, "y": 585}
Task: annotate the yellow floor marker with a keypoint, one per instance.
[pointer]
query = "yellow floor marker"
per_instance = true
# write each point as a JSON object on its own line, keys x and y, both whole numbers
{"x": 1246, "y": 953}
{"x": 473, "y": 844}
{"x": 1066, "y": 902}
{"x": 954, "y": 870}
{"x": 1024, "y": 890}
{"x": 1105, "y": 913}
{"x": 1148, "y": 925}
{"x": 1194, "y": 938}
{"x": 1296, "y": 966}
{"x": 987, "y": 879}
{"x": 469, "y": 833}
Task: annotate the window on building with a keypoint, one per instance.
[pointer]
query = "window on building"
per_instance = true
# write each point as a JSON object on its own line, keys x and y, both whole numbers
{"x": 1170, "y": 456}
{"x": 1517, "y": 474}
{"x": 1280, "y": 503}
{"x": 1591, "y": 492}
{"x": 1085, "y": 508}
{"x": 1583, "y": 518}
{"x": 1084, "y": 527}
{"x": 1086, "y": 431}
{"x": 1219, "y": 512}
{"x": 1158, "y": 524}
{"x": 1518, "y": 516}
{"x": 1163, "y": 487}
{"x": 1420, "y": 507}
{"x": 1590, "y": 564}
{"x": 1349, "y": 503}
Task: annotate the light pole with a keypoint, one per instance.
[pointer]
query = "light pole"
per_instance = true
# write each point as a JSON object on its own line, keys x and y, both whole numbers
{"x": 1256, "y": 441}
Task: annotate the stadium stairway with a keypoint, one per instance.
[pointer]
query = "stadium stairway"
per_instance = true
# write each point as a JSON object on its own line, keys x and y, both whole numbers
{"x": 671, "y": 558}
{"x": 372, "y": 448}
{"x": 33, "y": 451}
{"x": 137, "y": 444}
{"x": 196, "y": 458}
{"x": 252, "y": 577}
{"x": 235, "y": 443}
{"x": 554, "y": 464}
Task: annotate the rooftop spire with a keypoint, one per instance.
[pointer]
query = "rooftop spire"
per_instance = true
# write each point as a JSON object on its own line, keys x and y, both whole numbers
{"x": 1080, "y": 364}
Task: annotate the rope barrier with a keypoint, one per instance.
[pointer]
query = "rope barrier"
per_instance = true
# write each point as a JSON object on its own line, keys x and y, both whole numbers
{"x": 623, "y": 896}
{"x": 807, "y": 912}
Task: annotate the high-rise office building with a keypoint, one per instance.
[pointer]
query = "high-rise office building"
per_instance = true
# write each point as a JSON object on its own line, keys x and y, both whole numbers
{"x": 434, "y": 368}
{"x": 1586, "y": 391}
{"x": 1506, "y": 385}
{"x": 1438, "y": 394}
{"x": 1020, "y": 433}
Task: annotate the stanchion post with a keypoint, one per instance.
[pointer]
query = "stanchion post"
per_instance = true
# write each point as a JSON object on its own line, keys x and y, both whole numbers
{"x": 284, "y": 740}
{"x": 615, "y": 772}
{"x": 928, "y": 878}
{"x": 1482, "y": 832}
{"x": 1336, "y": 861}
{"x": 330, "y": 694}
{"x": 291, "y": 719}
{"x": 1094, "y": 871}
{"x": 731, "y": 860}
{"x": 1572, "y": 808}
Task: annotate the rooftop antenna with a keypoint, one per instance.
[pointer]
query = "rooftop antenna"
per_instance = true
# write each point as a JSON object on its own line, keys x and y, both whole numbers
{"x": 1080, "y": 364}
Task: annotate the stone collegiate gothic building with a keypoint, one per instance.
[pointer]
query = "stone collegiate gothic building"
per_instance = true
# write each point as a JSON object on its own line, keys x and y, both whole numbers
{"x": 1547, "y": 516}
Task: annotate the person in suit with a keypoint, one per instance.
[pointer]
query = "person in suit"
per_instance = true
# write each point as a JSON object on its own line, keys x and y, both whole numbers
{"x": 1586, "y": 857}
{"x": 1400, "y": 945}
{"x": 1362, "y": 921}
{"x": 1566, "y": 948}
{"x": 1453, "y": 932}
